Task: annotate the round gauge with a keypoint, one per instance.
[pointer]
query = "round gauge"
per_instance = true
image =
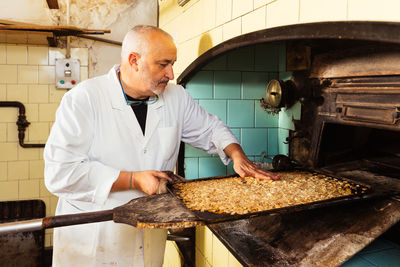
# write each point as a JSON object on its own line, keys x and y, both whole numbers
{"x": 274, "y": 94}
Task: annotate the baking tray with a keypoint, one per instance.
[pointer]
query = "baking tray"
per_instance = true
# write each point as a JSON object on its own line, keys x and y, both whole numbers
{"x": 210, "y": 217}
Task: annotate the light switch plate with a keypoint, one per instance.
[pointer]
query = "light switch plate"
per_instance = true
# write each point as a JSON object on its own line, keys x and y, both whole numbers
{"x": 67, "y": 72}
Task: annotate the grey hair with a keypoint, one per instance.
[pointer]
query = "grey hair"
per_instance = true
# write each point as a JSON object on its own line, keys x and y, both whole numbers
{"x": 135, "y": 40}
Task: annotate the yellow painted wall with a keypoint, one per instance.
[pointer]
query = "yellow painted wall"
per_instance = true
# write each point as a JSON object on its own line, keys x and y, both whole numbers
{"x": 202, "y": 24}
{"x": 27, "y": 75}
{"x": 172, "y": 256}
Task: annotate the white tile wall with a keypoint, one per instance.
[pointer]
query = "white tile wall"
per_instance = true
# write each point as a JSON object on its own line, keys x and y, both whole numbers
{"x": 27, "y": 75}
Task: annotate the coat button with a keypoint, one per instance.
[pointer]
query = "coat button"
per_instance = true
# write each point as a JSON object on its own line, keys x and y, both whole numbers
{"x": 144, "y": 151}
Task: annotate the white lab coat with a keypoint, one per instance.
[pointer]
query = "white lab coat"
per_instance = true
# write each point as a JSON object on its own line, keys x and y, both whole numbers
{"x": 95, "y": 136}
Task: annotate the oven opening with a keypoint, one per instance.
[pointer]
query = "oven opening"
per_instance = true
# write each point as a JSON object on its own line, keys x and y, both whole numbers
{"x": 377, "y": 149}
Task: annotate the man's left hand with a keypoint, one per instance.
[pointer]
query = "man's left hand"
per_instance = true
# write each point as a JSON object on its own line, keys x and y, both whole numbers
{"x": 244, "y": 167}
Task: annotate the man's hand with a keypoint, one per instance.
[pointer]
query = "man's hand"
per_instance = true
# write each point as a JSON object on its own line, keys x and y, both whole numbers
{"x": 148, "y": 181}
{"x": 244, "y": 167}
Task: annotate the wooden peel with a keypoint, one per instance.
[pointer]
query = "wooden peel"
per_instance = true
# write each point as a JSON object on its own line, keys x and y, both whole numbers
{"x": 162, "y": 211}
{"x": 162, "y": 186}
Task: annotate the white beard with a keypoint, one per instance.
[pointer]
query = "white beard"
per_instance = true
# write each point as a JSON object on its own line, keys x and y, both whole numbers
{"x": 158, "y": 91}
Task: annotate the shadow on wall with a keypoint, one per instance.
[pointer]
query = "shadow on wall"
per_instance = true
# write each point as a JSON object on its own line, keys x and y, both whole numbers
{"x": 205, "y": 43}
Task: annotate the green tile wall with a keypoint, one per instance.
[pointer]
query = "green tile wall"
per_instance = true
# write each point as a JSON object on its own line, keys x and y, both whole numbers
{"x": 216, "y": 107}
{"x": 268, "y": 56}
{"x": 191, "y": 168}
{"x": 236, "y": 132}
{"x": 211, "y": 167}
{"x": 286, "y": 116}
{"x": 381, "y": 252}
{"x": 227, "y": 84}
{"x": 192, "y": 152}
{"x": 201, "y": 86}
{"x": 273, "y": 141}
{"x": 241, "y": 113}
{"x": 282, "y": 135}
{"x": 230, "y": 87}
{"x": 241, "y": 59}
{"x": 264, "y": 119}
{"x": 219, "y": 63}
{"x": 254, "y": 140}
{"x": 253, "y": 84}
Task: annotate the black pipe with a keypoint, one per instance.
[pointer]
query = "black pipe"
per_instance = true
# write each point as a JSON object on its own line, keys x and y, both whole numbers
{"x": 21, "y": 122}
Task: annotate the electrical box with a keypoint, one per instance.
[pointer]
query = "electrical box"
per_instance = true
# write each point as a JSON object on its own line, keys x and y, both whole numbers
{"x": 67, "y": 72}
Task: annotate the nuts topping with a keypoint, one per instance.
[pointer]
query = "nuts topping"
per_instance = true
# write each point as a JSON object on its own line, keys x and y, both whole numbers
{"x": 248, "y": 195}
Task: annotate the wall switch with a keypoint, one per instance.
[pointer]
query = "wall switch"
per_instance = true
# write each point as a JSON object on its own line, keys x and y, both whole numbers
{"x": 67, "y": 72}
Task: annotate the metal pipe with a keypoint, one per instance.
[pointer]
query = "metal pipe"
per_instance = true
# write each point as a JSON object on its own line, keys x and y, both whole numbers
{"x": 15, "y": 104}
{"x": 68, "y": 53}
{"x": 177, "y": 238}
{"x": 22, "y": 122}
{"x": 22, "y": 226}
{"x": 56, "y": 221}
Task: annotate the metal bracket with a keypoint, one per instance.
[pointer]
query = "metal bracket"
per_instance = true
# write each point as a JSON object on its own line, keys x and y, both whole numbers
{"x": 52, "y": 41}
{"x": 177, "y": 238}
{"x": 182, "y": 2}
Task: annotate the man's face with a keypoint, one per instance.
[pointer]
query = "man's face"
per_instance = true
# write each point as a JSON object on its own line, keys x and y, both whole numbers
{"x": 155, "y": 68}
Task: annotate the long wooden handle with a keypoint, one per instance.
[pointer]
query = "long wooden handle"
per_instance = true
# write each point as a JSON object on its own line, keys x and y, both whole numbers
{"x": 56, "y": 221}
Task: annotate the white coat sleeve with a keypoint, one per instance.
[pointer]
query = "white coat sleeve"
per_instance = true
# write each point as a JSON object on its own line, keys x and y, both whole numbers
{"x": 205, "y": 131}
{"x": 69, "y": 173}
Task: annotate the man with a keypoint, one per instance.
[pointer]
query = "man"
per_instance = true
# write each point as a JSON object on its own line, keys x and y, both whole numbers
{"x": 112, "y": 138}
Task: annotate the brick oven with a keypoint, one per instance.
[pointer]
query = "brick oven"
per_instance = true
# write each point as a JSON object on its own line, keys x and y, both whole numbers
{"x": 345, "y": 76}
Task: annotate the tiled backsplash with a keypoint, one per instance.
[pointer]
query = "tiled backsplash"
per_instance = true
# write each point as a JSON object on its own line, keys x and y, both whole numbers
{"x": 27, "y": 74}
{"x": 230, "y": 87}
